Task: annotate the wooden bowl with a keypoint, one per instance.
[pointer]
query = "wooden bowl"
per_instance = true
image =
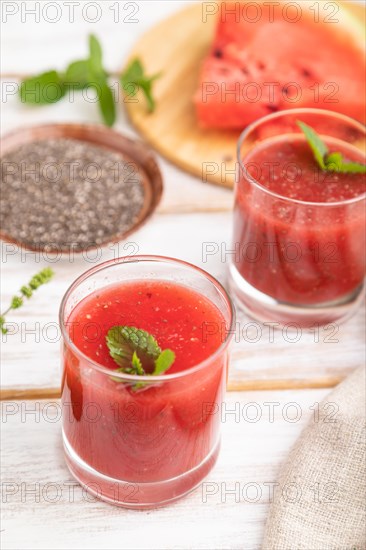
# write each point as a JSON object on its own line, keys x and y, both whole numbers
{"x": 133, "y": 151}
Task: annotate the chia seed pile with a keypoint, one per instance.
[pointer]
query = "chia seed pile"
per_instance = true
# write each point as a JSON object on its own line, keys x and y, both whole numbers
{"x": 60, "y": 194}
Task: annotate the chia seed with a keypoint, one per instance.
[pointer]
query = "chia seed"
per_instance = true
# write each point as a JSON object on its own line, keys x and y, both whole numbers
{"x": 63, "y": 193}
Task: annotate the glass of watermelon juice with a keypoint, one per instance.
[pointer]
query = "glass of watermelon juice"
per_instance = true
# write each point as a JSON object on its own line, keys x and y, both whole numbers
{"x": 299, "y": 231}
{"x": 144, "y": 441}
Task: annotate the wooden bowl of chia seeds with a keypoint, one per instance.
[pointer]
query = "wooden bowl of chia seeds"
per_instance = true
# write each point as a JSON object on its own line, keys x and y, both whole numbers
{"x": 74, "y": 187}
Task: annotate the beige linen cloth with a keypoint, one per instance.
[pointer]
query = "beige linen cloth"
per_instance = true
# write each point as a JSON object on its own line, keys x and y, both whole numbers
{"x": 322, "y": 484}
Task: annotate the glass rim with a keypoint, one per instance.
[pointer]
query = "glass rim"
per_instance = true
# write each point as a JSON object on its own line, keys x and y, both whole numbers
{"x": 279, "y": 114}
{"x": 135, "y": 259}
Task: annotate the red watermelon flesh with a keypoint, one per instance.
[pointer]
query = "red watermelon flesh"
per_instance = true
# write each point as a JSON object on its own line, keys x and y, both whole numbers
{"x": 254, "y": 69}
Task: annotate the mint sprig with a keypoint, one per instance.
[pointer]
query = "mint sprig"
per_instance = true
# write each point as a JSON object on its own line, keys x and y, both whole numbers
{"x": 99, "y": 80}
{"x": 164, "y": 361}
{"x": 134, "y": 79}
{"x": 42, "y": 89}
{"x": 137, "y": 352}
{"x": 329, "y": 162}
{"x": 51, "y": 86}
{"x": 26, "y": 291}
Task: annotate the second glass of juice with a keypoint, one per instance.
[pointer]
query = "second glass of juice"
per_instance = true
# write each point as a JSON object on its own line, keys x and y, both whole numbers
{"x": 299, "y": 232}
{"x": 144, "y": 441}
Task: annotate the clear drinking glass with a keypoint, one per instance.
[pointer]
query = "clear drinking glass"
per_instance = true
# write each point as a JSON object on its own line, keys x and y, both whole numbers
{"x": 298, "y": 261}
{"x": 145, "y": 448}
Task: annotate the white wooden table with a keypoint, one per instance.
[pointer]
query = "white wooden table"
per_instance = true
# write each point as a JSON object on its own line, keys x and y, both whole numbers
{"x": 42, "y": 507}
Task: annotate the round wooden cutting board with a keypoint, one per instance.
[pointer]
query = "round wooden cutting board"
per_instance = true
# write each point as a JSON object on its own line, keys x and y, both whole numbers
{"x": 176, "y": 48}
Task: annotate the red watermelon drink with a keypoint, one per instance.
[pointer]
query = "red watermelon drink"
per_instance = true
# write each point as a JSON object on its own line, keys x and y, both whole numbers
{"x": 136, "y": 435}
{"x": 299, "y": 230}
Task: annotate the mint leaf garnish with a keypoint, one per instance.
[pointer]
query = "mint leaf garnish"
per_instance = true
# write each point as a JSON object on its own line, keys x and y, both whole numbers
{"x": 335, "y": 163}
{"x": 329, "y": 162}
{"x": 137, "y": 365}
{"x": 164, "y": 361}
{"x": 133, "y": 79}
{"x": 137, "y": 352}
{"x": 125, "y": 340}
{"x": 316, "y": 143}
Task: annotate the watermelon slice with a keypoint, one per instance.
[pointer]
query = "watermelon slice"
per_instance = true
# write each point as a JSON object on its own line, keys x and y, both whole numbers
{"x": 262, "y": 62}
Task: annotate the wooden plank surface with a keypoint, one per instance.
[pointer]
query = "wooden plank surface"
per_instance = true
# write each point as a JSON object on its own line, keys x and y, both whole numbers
{"x": 172, "y": 129}
{"x": 190, "y": 214}
{"x": 261, "y": 357}
{"x": 58, "y": 515}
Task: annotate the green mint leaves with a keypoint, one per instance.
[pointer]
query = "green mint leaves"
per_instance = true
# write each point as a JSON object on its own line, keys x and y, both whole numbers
{"x": 45, "y": 88}
{"x": 329, "y": 162}
{"x": 51, "y": 86}
{"x": 335, "y": 163}
{"x": 318, "y": 146}
{"x": 137, "y": 352}
{"x": 164, "y": 361}
{"x": 137, "y": 365}
{"x": 123, "y": 341}
{"x": 17, "y": 301}
{"x": 98, "y": 79}
{"x": 133, "y": 79}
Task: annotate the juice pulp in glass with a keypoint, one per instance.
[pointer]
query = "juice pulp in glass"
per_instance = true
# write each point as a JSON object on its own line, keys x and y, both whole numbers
{"x": 294, "y": 241}
{"x": 164, "y": 429}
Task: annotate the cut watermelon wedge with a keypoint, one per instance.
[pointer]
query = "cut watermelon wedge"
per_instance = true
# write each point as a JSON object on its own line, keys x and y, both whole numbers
{"x": 265, "y": 61}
